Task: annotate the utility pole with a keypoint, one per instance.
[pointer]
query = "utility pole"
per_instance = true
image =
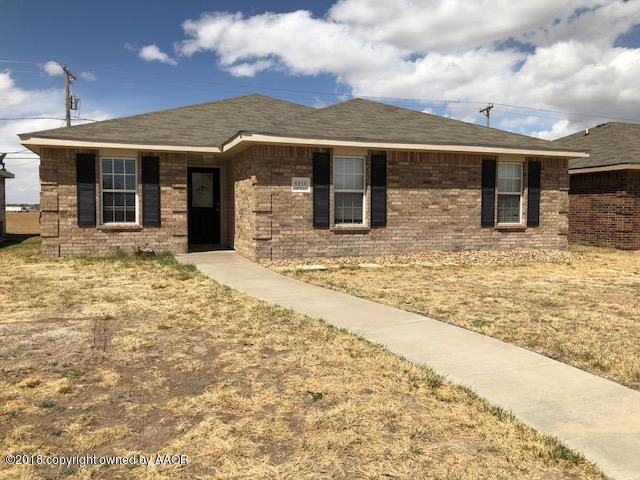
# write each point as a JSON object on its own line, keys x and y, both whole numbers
{"x": 487, "y": 112}
{"x": 70, "y": 77}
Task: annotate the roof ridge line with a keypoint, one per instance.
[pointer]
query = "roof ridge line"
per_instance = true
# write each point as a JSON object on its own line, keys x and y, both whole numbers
{"x": 170, "y": 109}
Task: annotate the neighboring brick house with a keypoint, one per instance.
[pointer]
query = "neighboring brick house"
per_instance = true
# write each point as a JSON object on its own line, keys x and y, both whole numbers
{"x": 4, "y": 174}
{"x": 274, "y": 180}
{"x": 604, "y": 190}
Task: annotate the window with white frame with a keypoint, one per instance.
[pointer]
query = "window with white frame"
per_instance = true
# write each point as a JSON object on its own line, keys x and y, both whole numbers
{"x": 509, "y": 193}
{"x": 119, "y": 190}
{"x": 348, "y": 190}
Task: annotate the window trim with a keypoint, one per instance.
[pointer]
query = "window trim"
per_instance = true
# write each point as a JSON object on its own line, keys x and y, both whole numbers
{"x": 363, "y": 191}
{"x": 520, "y": 221}
{"x": 134, "y": 191}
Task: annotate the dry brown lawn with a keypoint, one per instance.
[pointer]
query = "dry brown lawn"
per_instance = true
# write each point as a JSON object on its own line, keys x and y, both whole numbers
{"x": 129, "y": 355}
{"x": 22, "y": 223}
{"x": 581, "y": 307}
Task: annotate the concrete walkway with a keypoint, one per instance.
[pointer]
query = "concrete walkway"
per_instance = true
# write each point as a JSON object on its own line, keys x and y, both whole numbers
{"x": 592, "y": 415}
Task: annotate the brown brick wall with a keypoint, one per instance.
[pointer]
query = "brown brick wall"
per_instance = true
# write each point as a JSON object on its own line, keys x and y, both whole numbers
{"x": 433, "y": 203}
{"x": 61, "y": 235}
{"x": 605, "y": 209}
{"x": 244, "y": 198}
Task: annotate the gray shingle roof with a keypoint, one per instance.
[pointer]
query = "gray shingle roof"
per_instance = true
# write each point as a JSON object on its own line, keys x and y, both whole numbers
{"x": 213, "y": 124}
{"x": 203, "y": 125}
{"x": 364, "y": 120}
{"x": 612, "y": 143}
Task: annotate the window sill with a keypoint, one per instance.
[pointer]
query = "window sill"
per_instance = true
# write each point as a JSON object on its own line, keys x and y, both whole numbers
{"x": 351, "y": 229}
{"x": 511, "y": 227}
{"x": 120, "y": 227}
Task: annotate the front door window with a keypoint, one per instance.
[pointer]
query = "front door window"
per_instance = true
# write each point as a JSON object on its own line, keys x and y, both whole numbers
{"x": 202, "y": 193}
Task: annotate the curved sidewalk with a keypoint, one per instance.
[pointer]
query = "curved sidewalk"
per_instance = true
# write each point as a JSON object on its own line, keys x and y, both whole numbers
{"x": 597, "y": 417}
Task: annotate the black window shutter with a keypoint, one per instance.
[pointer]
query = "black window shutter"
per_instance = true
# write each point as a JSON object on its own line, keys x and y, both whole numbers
{"x": 321, "y": 162}
{"x": 151, "y": 191}
{"x": 533, "y": 199}
{"x": 379, "y": 190}
{"x": 86, "y": 187}
{"x": 488, "y": 193}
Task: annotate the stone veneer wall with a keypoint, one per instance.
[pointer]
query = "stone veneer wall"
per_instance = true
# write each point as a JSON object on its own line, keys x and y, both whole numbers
{"x": 61, "y": 234}
{"x": 605, "y": 209}
{"x": 433, "y": 203}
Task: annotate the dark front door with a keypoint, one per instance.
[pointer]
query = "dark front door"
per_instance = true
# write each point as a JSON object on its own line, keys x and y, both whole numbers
{"x": 204, "y": 205}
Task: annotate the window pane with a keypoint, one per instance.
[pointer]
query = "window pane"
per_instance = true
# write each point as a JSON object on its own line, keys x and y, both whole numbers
{"x": 130, "y": 182}
{"x": 508, "y": 208}
{"x": 118, "y": 166}
{"x": 201, "y": 190}
{"x": 118, "y": 182}
{"x": 349, "y": 174}
{"x": 107, "y": 182}
{"x": 130, "y": 200}
{"x": 130, "y": 167}
{"x": 509, "y": 178}
{"x": 107, "y": 199}
{"x": 107, "y": 214}
{"x": 130, "y": 215}
{"x": 118, "y": 215}
{"x": 358, "y": 182}
{"x": 118, "y": 199}
{"x": 348, "y": 207}
{"x": 107, "y": 166}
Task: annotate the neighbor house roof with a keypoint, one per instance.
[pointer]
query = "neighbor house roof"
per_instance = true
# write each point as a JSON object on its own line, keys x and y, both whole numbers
{"x": 220, "y": 126}
{"x": 609, "y": 144}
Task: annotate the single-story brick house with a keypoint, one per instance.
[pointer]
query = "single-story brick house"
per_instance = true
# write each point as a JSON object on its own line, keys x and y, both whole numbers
{"x": 604, "y": 206}
{"x": 274, "y": 180}
{"x": 4, "y": 174}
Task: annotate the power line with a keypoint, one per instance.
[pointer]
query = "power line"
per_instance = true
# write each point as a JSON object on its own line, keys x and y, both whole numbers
{"x": 9, "y": 119}
{"x": 23, "y": 164}
{"x": 20, "y": 61}
{"x": 487, "y": 112}
{"x": 338, "y": 95}
{"x": 404, "y": 99}
{"x": 19, "y": 151}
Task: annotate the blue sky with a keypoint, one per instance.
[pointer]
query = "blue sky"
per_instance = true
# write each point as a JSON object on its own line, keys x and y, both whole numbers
{"x": 575, "y": 63}
{"x": 94, "y": 40}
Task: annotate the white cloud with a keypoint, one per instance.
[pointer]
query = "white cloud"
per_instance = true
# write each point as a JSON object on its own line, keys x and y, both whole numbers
{"x": 435, "y": 25}
{"x": 152, "y": 53}
{"x": 432, "y": 25}
{"x": 548, "y": 54}
{"x": 302, "y": 44}
{"x": 52, "y": 68}
{"x": 559, "y": 129}
{"x": 249, "y": 69}
{"x": 19, "y": 102}
{"x": 88, "y": 76}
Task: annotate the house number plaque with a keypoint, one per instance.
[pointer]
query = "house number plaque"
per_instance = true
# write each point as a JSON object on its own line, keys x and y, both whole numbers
{"x": 301, "y": 184}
